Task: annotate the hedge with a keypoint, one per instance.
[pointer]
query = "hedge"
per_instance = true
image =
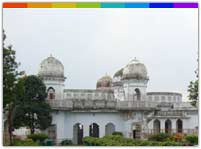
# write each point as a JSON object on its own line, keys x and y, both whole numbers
{"x": 161, "y": 139}
{"x": 116, "y": 140}
{"x": 192, "y": 139}
{"x": 38, "y": 137}
{"x": 27, "y": 142}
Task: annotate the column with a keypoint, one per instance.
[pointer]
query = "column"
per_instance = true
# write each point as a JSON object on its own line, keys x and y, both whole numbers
{"x": 162, "y": 121}
{"x": 174, "y": 127}
{"x": 86, "y": 130}
{"x": 101, "y": 130}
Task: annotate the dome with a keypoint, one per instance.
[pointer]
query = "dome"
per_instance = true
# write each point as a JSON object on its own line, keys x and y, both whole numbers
{"x": 135, "y": 70}
{"x": 104, "y": 82}
{"x": 51, "y": 67}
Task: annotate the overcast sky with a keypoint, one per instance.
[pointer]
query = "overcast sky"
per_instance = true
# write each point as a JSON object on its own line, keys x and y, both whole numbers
{"x": 92, "y": 42}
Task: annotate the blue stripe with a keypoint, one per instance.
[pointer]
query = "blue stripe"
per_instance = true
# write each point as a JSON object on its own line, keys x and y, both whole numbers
{"x": 136, "y": 5}
{"x": 161, "y": 5}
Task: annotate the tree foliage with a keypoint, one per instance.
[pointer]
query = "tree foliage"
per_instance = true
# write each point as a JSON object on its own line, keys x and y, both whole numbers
{"x": 193, "y": 92}
{"x": 10, "y": 73}
{"x": 31, "y": 110}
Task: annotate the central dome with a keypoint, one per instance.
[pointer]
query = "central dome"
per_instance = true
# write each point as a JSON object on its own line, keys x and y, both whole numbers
{"x": 135, "y": 70}
{"x": 104, "y": 82}
{"x": 51, "y": 67}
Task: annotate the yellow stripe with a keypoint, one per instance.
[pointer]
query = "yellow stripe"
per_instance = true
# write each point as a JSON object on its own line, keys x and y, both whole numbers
{"x": 63, "y": 5}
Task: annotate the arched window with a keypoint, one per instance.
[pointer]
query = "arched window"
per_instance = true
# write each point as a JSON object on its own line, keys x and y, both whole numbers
{"x": 157, "y": 126}
{"x": 109, "y": 128}
{"x": 168, "y": 126}
{"x": 137, "y": 93}
{"x": 94, "y": 130}
{"x": 179, "y": 124}
{"x": 77, "y": 133}
{"x": 51, "y": 93}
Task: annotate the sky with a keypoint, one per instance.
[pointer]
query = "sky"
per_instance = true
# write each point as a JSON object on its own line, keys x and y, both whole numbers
{"x": 93, "y": 42}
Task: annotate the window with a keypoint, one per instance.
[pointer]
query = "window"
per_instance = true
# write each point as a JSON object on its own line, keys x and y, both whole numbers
{"x": 179, "y": 124}
{"x": 157, "y": 126}
{"x": 137, "y": 94}
{"x": 168, "y": 126}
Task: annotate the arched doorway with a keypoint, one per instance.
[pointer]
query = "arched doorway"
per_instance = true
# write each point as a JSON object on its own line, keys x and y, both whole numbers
{"x": 136, "y": 131}
{"x": 157, "y": 126}
{"x": 51, "y": 93}
{"x": 77, "y": 133}
{"x": 94, "y": 130}
{"x": 109, "y": 128}
{"x": 168, "y": 126}
{"x": 137, "y": 93}
{"x": 179, "y": 124}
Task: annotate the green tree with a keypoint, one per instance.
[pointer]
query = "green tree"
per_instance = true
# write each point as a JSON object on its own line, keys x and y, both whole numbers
{"x": 31, "y": 109}
{"x": 193, "y": 88}
{"x": 10, "y": 74}
{"x": 193, "y": 92}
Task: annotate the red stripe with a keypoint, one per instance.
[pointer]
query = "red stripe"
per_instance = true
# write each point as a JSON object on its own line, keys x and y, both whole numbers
{"x": 14, "y": 5}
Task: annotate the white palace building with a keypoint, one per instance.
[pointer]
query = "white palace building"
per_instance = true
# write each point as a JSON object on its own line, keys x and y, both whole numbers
{"x": 118, "y": 104}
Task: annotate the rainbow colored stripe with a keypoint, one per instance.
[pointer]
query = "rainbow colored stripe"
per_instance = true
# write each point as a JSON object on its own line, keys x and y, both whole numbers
{"x": 99, "y": 5}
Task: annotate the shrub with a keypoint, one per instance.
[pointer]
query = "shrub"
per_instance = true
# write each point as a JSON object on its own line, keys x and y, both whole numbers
{"x": 145, "y": 143}
{"x": 117, "y": 140}
{"x": 38, "y": 137}
{"x": 117, "y": 133}
{"x": 178, "y": 137}
{"x": 154, "y": 143}
{"x": 159, "y": 137}
{"x": 66, "y": 142}
{"x": 170, "y": 143}
{"x": 192, "y": 139}
{"x": 89, "y": 141}
{"x": 27, "y": 142}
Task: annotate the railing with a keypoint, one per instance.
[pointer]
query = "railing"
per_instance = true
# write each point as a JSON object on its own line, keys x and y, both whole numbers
{"x": 110, "y": 104}
{"x": 100, "y": 104}
{"x": 169, "y": 113}
{"x": 61, "y": 104}
{"x": 82, "y": 104}
{"x": 171, "y": 131}
{"x": 145, "y": 133}
{"x": 124, "y": 105}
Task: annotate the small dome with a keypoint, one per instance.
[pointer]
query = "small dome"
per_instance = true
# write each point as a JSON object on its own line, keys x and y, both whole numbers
{"x": 51, "y": 67}
{"x": 135, "y": 70}
{"x": 104, "y": 83}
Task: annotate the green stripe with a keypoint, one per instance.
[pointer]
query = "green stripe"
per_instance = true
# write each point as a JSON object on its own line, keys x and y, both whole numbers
{"x": 87, "y": 5}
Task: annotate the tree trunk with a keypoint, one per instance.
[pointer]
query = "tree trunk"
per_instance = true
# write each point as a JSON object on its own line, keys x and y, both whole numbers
{"x": 32, "y": 130}
{"x": 10, "y": 129}
{"x": 32, "y": 124}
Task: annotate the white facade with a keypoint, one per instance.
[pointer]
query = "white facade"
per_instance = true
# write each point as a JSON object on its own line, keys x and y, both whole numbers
{"x": 119, "y": 104}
